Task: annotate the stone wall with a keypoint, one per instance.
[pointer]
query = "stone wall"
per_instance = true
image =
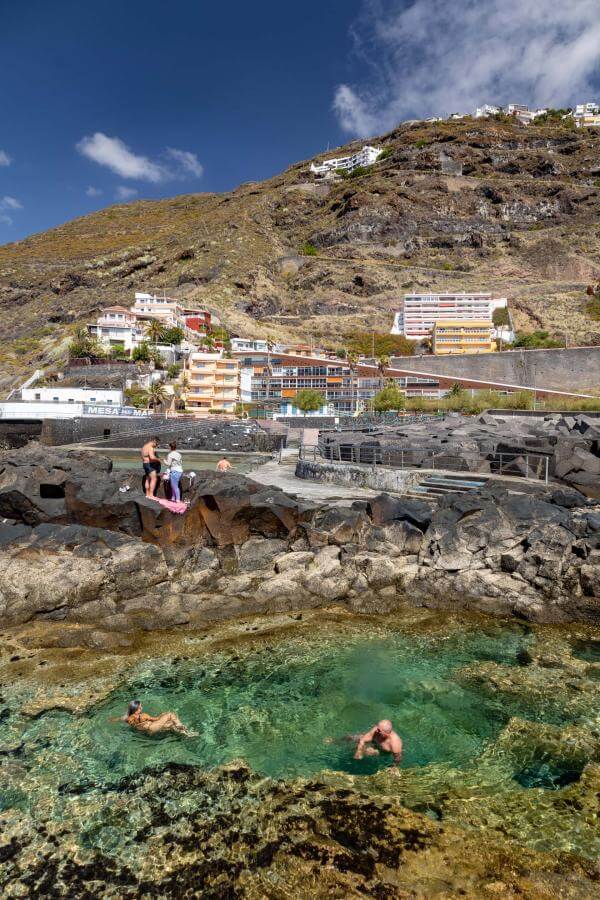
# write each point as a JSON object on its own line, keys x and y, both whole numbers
{"x": 574, "y": 369}
{"x": 380, "y": 479}
{"x": 71, "y": 431}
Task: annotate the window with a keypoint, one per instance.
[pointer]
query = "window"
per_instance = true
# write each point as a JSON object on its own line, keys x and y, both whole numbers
{"x": 55, "y": 399}
{"x": 38, "y": 397}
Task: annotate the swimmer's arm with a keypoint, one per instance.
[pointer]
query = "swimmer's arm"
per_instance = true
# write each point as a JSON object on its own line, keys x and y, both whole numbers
{"x": 397, "y": 754}
{"x": 365, "y": 739}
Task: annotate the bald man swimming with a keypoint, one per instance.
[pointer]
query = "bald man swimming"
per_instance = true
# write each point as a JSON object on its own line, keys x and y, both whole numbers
{"x": 384, "y": 737}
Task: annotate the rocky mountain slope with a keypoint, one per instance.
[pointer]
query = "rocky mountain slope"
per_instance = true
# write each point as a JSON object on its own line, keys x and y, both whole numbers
{"x": 521, "y": 220}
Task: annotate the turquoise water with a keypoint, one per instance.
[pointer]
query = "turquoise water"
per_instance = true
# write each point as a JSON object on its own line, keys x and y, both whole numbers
{"x": 483, "y": 726}
{"x": 277, "y": 707}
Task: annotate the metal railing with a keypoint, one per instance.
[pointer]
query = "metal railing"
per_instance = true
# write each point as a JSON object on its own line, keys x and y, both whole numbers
{"x": 531, "y": 466}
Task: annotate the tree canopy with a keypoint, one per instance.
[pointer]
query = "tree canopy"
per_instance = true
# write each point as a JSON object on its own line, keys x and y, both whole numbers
{"x": 309, "y": 400}
{"x": 390, "y": 398}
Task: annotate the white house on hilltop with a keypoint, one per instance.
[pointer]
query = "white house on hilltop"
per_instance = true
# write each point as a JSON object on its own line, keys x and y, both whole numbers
{"x": 365, "y": 157}
{"x": 483, "y": 112}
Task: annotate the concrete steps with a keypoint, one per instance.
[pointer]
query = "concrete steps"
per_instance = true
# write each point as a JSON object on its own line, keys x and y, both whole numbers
{"x": 432, "y": 487}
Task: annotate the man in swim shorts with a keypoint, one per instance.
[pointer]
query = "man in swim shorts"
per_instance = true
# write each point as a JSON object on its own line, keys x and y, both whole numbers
{"x": 383, "y": 737}
{"x": 151, "y": 465}
{"x": 141, "y": 721}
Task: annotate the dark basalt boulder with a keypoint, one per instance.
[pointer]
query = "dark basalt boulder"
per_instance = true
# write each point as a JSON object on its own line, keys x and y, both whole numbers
{"x": 384, "y": 508}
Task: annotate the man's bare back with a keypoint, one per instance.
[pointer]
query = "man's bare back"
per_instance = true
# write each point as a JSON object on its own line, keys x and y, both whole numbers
{"x": 384, "y": 737}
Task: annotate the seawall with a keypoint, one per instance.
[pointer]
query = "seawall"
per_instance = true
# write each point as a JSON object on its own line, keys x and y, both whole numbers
{"x": 575, "y": 368}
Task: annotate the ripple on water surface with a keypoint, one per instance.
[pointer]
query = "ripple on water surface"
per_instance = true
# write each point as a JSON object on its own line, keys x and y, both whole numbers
{"x": 276, "y": 707}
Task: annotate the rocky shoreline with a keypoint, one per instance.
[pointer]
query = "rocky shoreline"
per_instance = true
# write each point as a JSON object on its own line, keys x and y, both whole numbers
{"x": 106, "y": 564}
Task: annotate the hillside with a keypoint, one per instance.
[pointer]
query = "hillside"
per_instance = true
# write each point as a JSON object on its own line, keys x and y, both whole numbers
{"x": 522, "y": 220}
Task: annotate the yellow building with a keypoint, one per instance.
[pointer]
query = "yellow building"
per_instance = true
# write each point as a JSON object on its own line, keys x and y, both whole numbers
{"x": 214, "y": 383}
{"x": 462, "y": 336}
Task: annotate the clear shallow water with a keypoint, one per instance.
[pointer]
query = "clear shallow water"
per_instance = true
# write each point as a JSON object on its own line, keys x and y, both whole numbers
{"x": 274, "y": 702}
{"x": 276, "y": 707}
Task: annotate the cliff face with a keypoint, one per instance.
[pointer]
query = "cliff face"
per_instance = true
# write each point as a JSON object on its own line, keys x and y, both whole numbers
{"x": 520, "y": 220}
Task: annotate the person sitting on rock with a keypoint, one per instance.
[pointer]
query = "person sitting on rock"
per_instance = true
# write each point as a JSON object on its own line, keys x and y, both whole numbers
{"x": 151, "y": 465}
{"x": 141, "y": 721}
{"x": 384, "y": 737}
{"x": 223, "y": 465}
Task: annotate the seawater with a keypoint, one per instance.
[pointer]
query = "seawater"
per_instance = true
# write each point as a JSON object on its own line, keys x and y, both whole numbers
{"x": 286, "y": 705}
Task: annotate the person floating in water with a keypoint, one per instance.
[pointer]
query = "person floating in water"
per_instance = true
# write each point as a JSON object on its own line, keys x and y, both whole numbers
{"x": 167, "y": 721}
{"x": 384, "y": 737}
{"x": 223, "y": 465}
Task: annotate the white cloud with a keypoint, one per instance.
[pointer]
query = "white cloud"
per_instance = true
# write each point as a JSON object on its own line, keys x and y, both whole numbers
{"x": 93, "y": 191}
{"x": 189, "y": 163}
{"x": 113, "y": 153}
{"x": 10, "y": 203}
{"x": 5, "y": 159}
{"x": 434, "y": 57}
{"x": 125, "y": 193}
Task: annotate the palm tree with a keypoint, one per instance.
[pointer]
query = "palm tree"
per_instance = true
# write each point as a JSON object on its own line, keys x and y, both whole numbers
{"x": 155, "y": 330}
{"x": 209, "y": 342}
{"x": 383, "y": 363}
{"x": 157, "y": 394}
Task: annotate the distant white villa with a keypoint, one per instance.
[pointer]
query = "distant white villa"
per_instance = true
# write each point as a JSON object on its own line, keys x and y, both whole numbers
{"x": 483, "y": 112}
{"x": 587, "y": 115}
{"x": 364, "y": 157}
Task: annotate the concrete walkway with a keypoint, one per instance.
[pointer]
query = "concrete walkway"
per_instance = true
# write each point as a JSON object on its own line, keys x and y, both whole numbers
{"x": 281, "y": 475}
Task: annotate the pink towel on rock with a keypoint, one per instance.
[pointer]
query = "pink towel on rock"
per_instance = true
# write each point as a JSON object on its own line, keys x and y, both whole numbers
{"x": 178, "y": 506}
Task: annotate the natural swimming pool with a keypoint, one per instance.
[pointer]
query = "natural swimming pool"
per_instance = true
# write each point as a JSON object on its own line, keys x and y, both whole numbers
{"x": 483, "y": 729}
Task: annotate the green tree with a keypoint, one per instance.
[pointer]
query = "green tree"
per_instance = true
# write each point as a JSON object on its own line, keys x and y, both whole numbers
{"x": 157, "y": 394}
{"x": 536, "y": 340}
{"x": 390, "y": 398}
{"x": 141, "y": 353}
{"x": 456, "y": 390}
{"x": 155, "y": 331}
{"x": 118, "y": 351}
{"x": 209, "y": 342}
{"x": 137, "y": 397}
{"x": 308, "y": 400}
{"x": 172, "y": 336}
{"x": 173, "y": 370}
{"x": 365, "y": 343}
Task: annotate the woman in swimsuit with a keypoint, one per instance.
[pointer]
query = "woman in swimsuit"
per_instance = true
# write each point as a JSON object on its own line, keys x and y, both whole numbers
{"x": 151, "y": 465}
{"x": 141, "y": 721}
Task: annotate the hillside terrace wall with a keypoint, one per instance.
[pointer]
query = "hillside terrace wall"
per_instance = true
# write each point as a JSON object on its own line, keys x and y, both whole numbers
{"x": 571, "y": 369}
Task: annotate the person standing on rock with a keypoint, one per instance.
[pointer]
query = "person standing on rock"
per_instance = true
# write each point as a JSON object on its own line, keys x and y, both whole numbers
{"x": 151, "y": 465}
{"x": 175, "y": 471}
{"x": 223, "y": 465}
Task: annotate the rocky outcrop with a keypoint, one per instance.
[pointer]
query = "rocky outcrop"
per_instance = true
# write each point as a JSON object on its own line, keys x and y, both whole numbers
{"x": 111, "y": 563}
{"x": 509, "y": 445}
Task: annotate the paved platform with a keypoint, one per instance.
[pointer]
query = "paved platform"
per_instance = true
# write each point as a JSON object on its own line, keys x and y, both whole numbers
{"x": 281, "y": 475}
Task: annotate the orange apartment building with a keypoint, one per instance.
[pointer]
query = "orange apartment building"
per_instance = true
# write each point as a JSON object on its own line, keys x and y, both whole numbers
{"x": 462, "y": 336}
{"x": 214, "y": 383}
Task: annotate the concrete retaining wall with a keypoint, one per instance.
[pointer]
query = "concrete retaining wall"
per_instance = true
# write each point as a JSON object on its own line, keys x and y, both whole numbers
{"x": 379, "y": 479}
{"x": 574, "y": 369}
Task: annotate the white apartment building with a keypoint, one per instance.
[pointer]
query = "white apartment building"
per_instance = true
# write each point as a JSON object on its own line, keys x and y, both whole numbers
{"x": 420, "y": 311}
{"x": 364, "y": 157}
{"x": 54, "y": 394}
{"x": 115, "y": 326}
{"x": 246, "y": 345}
{"x": 586, "y": 109}
{"x": 483, "y": 112}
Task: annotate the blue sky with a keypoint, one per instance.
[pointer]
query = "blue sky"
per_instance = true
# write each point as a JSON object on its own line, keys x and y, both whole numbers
{"x": 109, "y": 100}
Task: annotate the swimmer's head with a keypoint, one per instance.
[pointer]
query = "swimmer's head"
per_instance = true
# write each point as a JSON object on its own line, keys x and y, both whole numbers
{"x": 134, "y": 707}
{"x": 385, "y": 726}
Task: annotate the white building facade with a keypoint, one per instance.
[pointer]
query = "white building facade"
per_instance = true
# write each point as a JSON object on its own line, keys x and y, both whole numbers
{"x": 419, "y": 312}
{"x": 54, "y": 394}
{"x": 245, "y": 345}
{"x": 364, "y": 157}
{"x": 483, "y": 112}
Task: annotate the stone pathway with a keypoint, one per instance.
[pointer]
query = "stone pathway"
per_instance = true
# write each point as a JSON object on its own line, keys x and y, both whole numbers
{"x": 281, "y": 475}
